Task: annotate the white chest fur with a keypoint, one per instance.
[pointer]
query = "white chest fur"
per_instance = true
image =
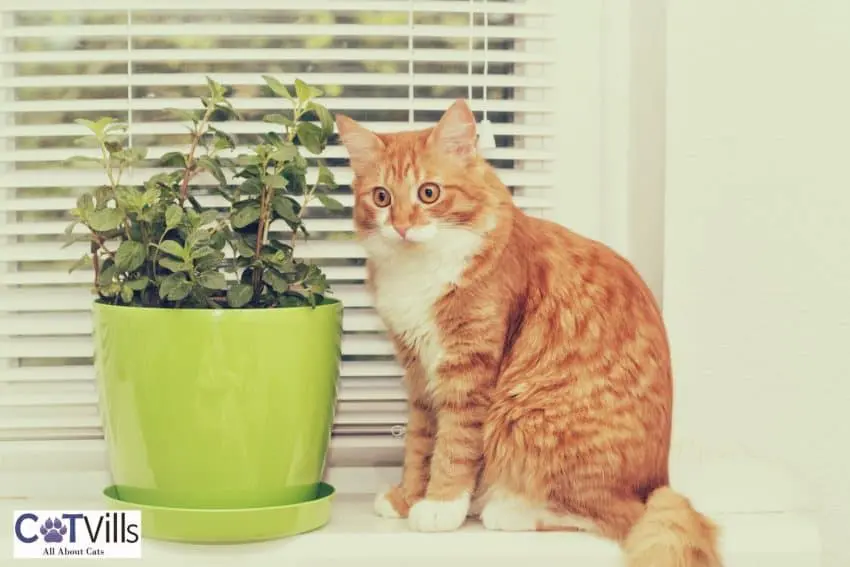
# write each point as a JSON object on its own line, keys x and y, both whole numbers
{"x": 409, "y": 282}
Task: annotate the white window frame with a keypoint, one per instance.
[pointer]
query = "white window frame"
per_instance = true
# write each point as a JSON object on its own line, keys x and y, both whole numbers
{"x": 593, "y": 128}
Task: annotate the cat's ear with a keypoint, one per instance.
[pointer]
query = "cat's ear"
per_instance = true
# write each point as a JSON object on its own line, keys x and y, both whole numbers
{"x": 456, "y": 134}
{"x": 364, "y": 146}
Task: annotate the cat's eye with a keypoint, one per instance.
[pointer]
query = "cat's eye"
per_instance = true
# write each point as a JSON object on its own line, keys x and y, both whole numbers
{"x": 381, "y": 197}
{"x": 429, "y": 193}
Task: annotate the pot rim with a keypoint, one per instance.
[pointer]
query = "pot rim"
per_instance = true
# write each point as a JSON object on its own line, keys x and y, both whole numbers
{"x": 328, "y": 303}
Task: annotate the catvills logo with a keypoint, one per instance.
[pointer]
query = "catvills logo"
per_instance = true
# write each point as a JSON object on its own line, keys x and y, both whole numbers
{"x": 83, "y": 534}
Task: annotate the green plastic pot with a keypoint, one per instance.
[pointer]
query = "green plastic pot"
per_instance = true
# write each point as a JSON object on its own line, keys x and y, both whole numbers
{"x": 217, "y": 408}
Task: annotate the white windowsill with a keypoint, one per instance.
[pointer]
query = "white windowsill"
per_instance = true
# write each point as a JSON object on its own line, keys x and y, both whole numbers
{"x": 763, "y": 512}
{"x": 356, "y": 537}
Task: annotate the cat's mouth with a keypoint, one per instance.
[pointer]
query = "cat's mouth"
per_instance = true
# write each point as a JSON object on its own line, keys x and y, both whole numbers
{"x": 410, "y": 235}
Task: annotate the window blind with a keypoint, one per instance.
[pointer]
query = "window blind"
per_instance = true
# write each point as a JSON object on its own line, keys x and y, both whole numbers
{"x": 391, "y": 64}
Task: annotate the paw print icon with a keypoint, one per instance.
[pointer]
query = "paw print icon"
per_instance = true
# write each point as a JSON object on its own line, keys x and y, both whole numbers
{"x": 53, "y": 530}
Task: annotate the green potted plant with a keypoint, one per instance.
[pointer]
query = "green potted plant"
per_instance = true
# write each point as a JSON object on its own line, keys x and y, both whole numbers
{"x": 216, "y": 348}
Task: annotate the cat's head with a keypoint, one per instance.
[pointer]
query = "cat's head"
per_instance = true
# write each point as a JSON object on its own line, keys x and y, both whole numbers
{"x": 417, "y": 187}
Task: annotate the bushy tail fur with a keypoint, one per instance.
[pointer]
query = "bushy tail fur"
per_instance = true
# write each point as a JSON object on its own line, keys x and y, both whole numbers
{"x": 671, "y": 533}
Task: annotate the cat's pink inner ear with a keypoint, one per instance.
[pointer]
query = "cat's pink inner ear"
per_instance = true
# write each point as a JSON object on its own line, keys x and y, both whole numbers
{"x": 364, "y": 146}
{"x": 455, "y": 133}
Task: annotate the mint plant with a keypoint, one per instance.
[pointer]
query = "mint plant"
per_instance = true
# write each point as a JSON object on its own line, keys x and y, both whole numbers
{"x": 157, "y": 245}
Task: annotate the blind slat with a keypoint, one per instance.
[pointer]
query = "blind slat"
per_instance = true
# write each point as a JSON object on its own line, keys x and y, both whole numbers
{"x": 285, "y": 30}
{"x": 268, "y": 54}
{"x": 53, "y": 228}
{"x": 344, "y": 79}
{"x": 52, "y": 251}
{"x": 155, "y": 152}
{"x": 41, "y": 277}
{"x": 530, "y": 7}
{"x": 59, "y": 324}
{"x": 348, "y": 369}
{"x": 82, "y": 347}
{"x": 246, "y": 127}
{"x": 94, "y": 177}
{"x": 54, "y": 298}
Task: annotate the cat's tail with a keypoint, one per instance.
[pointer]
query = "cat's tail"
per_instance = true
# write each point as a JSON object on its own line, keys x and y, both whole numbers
{"x": 671, "y": 533}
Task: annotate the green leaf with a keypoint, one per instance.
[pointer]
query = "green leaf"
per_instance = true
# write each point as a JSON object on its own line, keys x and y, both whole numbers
{"x": 311, "y": 137}
{"x": 107, "y": 273}
{"x": 305, "y": 92}
{"x": 130, "y": 255}
{"x": 316, "y": 282}
{"x": 98, "y": 127}
{"x": 218, "y": 240}
{"x": 242, "y": 247}
{"x": 173, "y": 159}
{"x": 109, "y": 289}
{"x": 330, "y": 203}
{"x": 239, "y": 294}
{"x": 277, "y": 182}
{"x": 209, "y": 261}
{"x": 198, "y": 237}
{"x": 326, "y": 177}
{"x": 324, "y": 116}
{"x": 174, "y": 265}
{"x": 285, "y": 207}
{"x": 194, "y": 217}
{"x": 72, "y": 239}
{"x": 129, "y": 198}
{"x": 84, "y": 260}
{"x": 278, "y": 119}
{"x": 212, "y": 280}
{"x": 210, "y": 165}
{"x": 251, "y": 186}
{"x": 105, "y": 219}
{"x": 201, "y": 251}
{"x": 85, "y": 161}
{"x": 85, "y": 202}
{"x": 138, "y": 284}
{"x": 276, "y": 281}
{"x": 133, "y": 155}
{"x": 126, "y": 293}
{"x": 223, "y": 140}
{"x": 284, "y": 153}
{"x": 173, "y": 247}
{"x": 277, "y": 87}
{"x": 279, "y": 260}
{"x": 173, "y": 215}
{"x": 175, "y": 287}
{"x": 246, "y": 215}
{"x": 216, "y": 89}
{"x": 208, "y": 217}
{"x": 187, "y": 115}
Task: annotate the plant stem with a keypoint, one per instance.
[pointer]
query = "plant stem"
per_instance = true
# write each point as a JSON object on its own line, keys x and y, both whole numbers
{"x": 190, "y": 158}
{"x": 262, "y": 232}
{"x": 307, "y": 198}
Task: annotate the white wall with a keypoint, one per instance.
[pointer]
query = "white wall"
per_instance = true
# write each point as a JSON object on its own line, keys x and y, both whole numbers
{"x": 757, "y": 236}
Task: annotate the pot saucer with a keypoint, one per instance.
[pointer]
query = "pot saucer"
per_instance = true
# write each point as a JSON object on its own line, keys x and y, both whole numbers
{"x": 230, "y": 525}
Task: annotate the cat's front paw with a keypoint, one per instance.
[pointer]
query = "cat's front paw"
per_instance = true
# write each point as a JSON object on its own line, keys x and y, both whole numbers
{"x": 439, "y": 515}
{"x": 391, "y": 504}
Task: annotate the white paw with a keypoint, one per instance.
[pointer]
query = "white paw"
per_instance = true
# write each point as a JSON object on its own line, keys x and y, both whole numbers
{"x": 509, "y": 515}
{"x": 383, "y": 507}
{"x": 439, "y": 515}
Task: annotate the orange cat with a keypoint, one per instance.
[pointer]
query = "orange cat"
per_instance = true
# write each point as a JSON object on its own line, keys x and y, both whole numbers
{"x": 536, "y": 360}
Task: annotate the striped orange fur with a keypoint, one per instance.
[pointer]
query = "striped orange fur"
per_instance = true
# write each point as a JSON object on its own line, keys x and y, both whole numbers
{"x": 537, "y": 362}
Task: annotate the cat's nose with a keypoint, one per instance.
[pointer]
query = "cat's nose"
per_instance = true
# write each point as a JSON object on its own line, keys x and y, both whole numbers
{"x": 402, "y": 229}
